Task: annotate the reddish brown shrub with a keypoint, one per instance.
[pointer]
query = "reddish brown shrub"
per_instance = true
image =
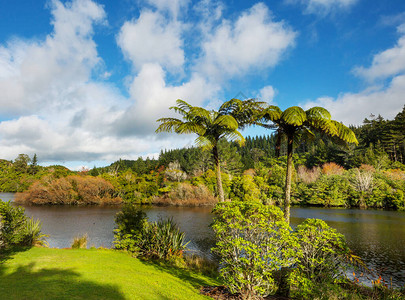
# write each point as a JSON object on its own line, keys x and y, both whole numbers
{"x": 332, "y": 168}
{"x": 72, "y": 190}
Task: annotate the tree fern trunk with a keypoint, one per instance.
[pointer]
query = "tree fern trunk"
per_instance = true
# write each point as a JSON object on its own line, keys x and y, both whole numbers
{"x": 220, "y": 190}
{"x": 290, "y": 166}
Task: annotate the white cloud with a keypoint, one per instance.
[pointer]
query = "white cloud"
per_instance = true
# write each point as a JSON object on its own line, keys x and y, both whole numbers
{"x": 353, "y": 108}
{"x": 152, "y": 97}
{"x": 34, "y": 75}
{"x": 254, "y": 41}
{"x": 267, "y": 94}
{"x": 323, "y": 7}
{"x": 152, "y": 39}
{"x": 173, "y": 6}
{"x": 386, "y": 63}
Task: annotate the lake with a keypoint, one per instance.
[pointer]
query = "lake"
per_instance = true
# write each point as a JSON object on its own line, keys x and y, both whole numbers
{"x": 378, "y": 236}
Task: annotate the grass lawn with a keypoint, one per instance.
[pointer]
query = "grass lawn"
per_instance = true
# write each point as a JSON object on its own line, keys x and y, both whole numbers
{"x": 43, "y": 273}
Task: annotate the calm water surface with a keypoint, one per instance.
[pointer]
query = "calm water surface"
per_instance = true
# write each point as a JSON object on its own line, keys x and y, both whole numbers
{"x": 375, "y": 235}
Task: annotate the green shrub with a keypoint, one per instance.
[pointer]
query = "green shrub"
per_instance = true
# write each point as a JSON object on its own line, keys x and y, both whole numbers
{"x": 80, "y": 242}
{"x": 17, "y": 230}
{"x": 33, "y": 234}
{"x": 161, "y": 239}
{"x": 130, "y": 222}
{"x": 253, "y": 241}
{"x": 323, "y": 258}
{"x": 13, "y": 222}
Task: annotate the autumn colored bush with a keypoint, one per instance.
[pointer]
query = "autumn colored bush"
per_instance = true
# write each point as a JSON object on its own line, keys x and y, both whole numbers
{"x": 332, "y": 168}
{"x": 72, "y": 190}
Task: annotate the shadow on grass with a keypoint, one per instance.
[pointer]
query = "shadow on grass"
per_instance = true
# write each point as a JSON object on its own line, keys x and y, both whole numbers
{"x": 7, "y": 254}
{"x": 29, "y": 282}
{"x": 185, "y": 275}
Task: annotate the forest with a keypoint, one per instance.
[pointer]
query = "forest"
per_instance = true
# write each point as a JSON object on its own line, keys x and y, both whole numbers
{"x": 327, "y": 173}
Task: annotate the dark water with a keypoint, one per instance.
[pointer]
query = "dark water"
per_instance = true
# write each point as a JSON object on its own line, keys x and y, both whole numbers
{"x": 375, "y": 235}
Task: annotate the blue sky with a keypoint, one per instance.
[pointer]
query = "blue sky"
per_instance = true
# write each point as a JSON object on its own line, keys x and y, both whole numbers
{"x": 82, "y": 82}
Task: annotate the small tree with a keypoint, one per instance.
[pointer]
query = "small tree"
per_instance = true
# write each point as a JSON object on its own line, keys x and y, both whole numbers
{"x": 212, "y": 126}
{"x": 294, "y": 123}
{"x": 253, "y": 241}
{"x": 323, "y": 259}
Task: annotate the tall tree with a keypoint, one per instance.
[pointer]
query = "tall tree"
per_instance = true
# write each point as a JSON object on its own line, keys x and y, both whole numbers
{"x": 211, "y": 126}
{"x": 294, "y": 123}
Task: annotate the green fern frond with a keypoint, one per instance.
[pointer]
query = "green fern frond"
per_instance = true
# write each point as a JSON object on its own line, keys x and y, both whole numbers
{"x": 204, "y": 142}
{"x": 318, "y": 113}
{"x": 235, "y": 136}
{"x": 294, "y": 116}
{"x": 226, "y": 121}
{"x": 323, "y": 125}
{"x": 190, "y": 127}
{"x": 271, "y": 113}
{"x": 345, "y": 133}
{"x": 168, "y": 124}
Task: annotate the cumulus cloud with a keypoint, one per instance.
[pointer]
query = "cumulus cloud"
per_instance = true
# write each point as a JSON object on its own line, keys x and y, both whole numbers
{"x": 59, "y": 106}
{"x": 35, "y": 75}
{"x": 152, "y": 97}
{"x": 253, "y": 41}
{"x": 152, "y": 39}
{"x": 353, "y": 108}
{"x": 386, "y": 63}
{"x": 267, "y": 94}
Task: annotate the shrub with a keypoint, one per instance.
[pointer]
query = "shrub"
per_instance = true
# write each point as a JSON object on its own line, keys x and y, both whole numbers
{"x": 73, "y": 190}
{"x": 307, "y": 175}
{"x": 33, "y": 234}
{"x": 80, "y": 242}
{"x": 130, "y": 222}
{"x": 161, "y": 239}
{"x": 17, "y": 230}
{"x": 253, "y": 241}
{"x": 13, "y": 222}
{"x": 323, "y": 257}
{"x": 332, "y": 168}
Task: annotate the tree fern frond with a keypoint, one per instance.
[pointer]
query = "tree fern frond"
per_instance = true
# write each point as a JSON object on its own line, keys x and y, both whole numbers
{"x": 168, "y": 124}
{"x": 345, "y": 133}
{"x": 317, "y": 112}
{"x": 271, "y": 113}
{"x": 294, "y": 116}
{"x": 235, "y": 136}
{"x": 204, "y": 142}
{"x": 323, "y": 125}
{"x": 201, "y": 113}
{"x": 226, "y": 121}
{"x": 190, "y": 127}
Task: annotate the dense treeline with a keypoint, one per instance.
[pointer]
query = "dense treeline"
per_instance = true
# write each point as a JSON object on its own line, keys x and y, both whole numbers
{"x": 371, "y": 174}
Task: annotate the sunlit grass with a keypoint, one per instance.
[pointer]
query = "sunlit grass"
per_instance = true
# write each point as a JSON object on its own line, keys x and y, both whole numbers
{"x": 42, "y": 273}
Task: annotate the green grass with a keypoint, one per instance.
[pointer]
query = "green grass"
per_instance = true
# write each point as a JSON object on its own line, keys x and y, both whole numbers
{"x": 43, "y": 273}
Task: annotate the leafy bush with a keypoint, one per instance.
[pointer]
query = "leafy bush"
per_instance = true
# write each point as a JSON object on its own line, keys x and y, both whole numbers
{"x": 161, "y": 239}
{"x": 73, "y": 190}
{"x": 79, "y": 242}
{"x": 13, "y": 222}
{"x": 16, "y": 229}
{"x": 253, "y": 241}
{"x": 323, "y": 257}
